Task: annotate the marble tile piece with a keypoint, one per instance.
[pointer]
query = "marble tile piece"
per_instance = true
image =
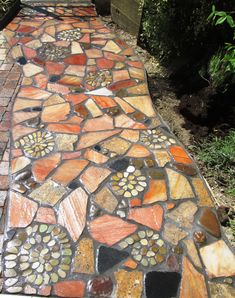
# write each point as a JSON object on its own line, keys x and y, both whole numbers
{"x": 205, "y": 198}
{"x": 69, "y": 170}
{"x": 218, "y": 259}
{"x": 109, "y": 229}
{"x": 148, "y": 216}
{"x": 180, "y": 187}
{"x": 41, "y": 168}
{"x": 72, "y": 212}
{"x": 21, "y": 210}
{"x": 93, "y": 177}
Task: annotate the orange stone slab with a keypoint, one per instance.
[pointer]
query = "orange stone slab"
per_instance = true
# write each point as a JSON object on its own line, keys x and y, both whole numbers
{"x": 70, "y": 289}
{"x": 93, "y": 176}
{"x": 148, "y": 216}
{"x": 21, "y": 211}
{"x": 157, "y": 192}
{"x": 193, "y": 283}
{"x": 69, "y": 170}
{"x": 42, "y": 167}
{"x": 100, "y": 229}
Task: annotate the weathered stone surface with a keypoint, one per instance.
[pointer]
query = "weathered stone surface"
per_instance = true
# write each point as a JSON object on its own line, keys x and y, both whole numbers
{"x": 218, "y": 259}
{"x": 209, "y": 222}
{"x": 105, "y": 199}
{"x": 49, "y": 193}
{"x": 192, "y": 252}
{"x": 65, "y": 142}
{"x": 72, "y": 213}
{"x": 46, "y": 215}
{"x": 129, "y": 284}
{"x": 179, "y": 186}
{"x": 205, "y": 198}
{"x": 193, "y": 283}
{"x": 219, "y": 290}
{"x": 173, "y": 234}
{"x": 84, "y": 257}
{"x": 184, "y": 214}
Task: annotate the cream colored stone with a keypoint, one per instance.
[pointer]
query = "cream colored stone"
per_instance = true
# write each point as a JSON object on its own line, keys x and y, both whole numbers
{"x": 218, "y": 259}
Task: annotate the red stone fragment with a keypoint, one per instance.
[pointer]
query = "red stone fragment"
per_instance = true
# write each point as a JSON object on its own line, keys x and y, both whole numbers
{"x": 150, "y": 216}
{"x": 70, "y": 289}
{"x": 121, "y": 85}
{"x": 104, "y": 63}
{"x": 54, "y": 68}
{"x": 76, "y": 59}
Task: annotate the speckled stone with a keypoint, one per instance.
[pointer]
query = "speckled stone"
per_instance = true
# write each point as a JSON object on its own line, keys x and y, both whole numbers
{"x": 173, "y": 234}
{"x": 129, "y": 284}
{"x": 84, "y": 257}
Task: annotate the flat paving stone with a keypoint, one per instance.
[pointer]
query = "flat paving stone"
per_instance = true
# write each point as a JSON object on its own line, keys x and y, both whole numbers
{"x": 104, "y": 200}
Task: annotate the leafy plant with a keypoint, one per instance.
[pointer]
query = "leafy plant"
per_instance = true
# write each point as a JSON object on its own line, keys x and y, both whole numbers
{"x": 4, "y": 4}
{"x": 222, "y": 64}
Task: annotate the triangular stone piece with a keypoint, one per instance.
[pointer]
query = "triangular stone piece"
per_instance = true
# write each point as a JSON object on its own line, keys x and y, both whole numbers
{"x": 109, "y": 257}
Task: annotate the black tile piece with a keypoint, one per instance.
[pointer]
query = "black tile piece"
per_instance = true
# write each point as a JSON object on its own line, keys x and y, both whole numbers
{"x": 74, "y": 185}
{"x": 162, "y": 284}
{"x": 97, "y": 148}
{"x": 120, "y": 164}
{"x": 54, "y": 78}
{"x": 22, "y": 60}
{"x": 109, "y": 257}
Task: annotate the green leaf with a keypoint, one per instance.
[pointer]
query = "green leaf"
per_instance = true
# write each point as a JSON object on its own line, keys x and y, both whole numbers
{"x": 230, "y": 21}
{"x": 220, "y": 20}
{"x": 213, "y": 8}
{"x": 221, "y": 13}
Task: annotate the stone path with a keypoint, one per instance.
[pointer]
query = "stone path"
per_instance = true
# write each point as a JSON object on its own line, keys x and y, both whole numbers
{"x": 104, "y": 200}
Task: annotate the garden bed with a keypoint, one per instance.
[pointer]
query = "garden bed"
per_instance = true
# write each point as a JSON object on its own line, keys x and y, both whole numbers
{"x": 8, "y": 9}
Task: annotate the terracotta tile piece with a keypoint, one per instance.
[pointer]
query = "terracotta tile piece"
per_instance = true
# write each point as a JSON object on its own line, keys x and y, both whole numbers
{"x": 104, "y": 122}
{"x": 46, "y": 215}
{"x": 70, "y": 289}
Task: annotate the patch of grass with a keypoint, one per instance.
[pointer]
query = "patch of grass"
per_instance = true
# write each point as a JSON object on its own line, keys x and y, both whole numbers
{"x": 218, "y": 155}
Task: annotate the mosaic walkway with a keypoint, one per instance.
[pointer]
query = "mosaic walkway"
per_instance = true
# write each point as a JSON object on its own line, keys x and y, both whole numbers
{"x": 104, "y": 200}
